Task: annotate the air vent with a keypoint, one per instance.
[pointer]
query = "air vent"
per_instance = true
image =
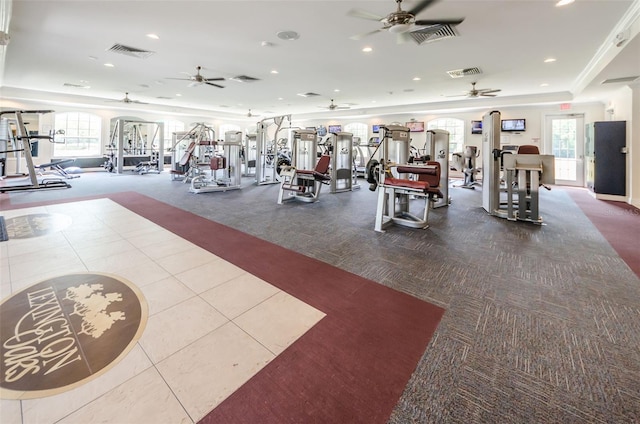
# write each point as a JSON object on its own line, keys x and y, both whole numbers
{"x": 130, "y": 51}
{"x": 616, "y": 80}
{"x": 244, "y": 78}
{"x": 164, "y": 98}
{"x": 459, "y": 73}
{"x": 433, "y": 33}
{"x": 308, "y": 94}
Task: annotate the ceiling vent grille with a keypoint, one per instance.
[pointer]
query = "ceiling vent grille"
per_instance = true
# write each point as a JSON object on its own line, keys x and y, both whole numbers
{"x": 244, "y": 78}
{"x": 459, "y": 73}
{"x": 616, "y": 80}
{"x": 433, "y": 33}
{"x": 68, "y": 84}
{"x": 310, "y": 94}
{"x": 130, "y": 51}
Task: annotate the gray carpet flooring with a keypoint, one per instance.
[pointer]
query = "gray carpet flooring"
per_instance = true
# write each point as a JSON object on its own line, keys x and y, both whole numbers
{"x": 542, "y": 323}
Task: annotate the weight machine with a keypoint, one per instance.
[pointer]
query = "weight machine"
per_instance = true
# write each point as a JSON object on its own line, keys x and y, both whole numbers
{"x": 437, "y": 146}
{"x": 342, "y": 165}
{"x": 189, "y": 150}
{"x": 229, "y": 163}
{"x": 20, "y": 143}
{"x": 249, "y": 155}
{"x": 269, "y": 157}
{"x": 398, "y": 181}
{"x": 128, "y": 137}
{"x": 517, "y": 176}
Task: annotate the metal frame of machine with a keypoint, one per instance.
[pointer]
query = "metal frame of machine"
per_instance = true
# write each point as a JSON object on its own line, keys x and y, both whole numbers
{"x": 229, "y": 162}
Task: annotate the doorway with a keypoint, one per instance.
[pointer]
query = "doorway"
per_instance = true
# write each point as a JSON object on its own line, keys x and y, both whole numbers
{"x": 564, "y": 135}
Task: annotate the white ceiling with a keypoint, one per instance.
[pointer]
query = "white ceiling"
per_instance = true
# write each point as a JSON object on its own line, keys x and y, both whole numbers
{"x": 54, "y": 42}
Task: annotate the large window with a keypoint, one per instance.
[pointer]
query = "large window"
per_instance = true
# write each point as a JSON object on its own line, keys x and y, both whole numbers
{"x": 227, "y": 127}
{"x": 456, "y": 131}
{"x": 81, "y": 134}
{"x": 358, "y": 130}
{"x": 171, "y": 126}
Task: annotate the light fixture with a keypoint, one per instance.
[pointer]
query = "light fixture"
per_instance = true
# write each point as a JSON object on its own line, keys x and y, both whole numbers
{"x": 544, "y": 84}
{"x": 109, "y": 65}
{"x": 274, "y": 71}
{"x": 399, "y": 28}
{"x": 336, "y": 90}
{"x": 550, "y": 60}
{"x": 154, "y": 36}
{"x": 416, "y": 78}
{"x": 367, "y": 49}
{"x": 564, "y": 3}
{"x": 288, "y": 35}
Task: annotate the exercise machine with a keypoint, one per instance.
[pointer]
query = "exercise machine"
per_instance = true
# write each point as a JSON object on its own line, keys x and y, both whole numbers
{"x": 18, "y": 141}
{"x": 190, "y": 150}
{"x": 249, "y": 155}
{"x": 398, "y": 182}
{"x": 56, "y": 167}
{"x": 510, "y": 182}
{"x": 437, "y": 149}
{"x": 229, "y": 163}
{"x": 269, "y": 159}
{"x": 304, "y": 184}
{"x": 130, "y": 138}
{"x": 342, "y": 165}
{"x": 466, "y": 162}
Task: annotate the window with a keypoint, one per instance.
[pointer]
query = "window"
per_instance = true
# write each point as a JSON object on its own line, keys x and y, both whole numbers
{"x": 81, "y": 134}
{"x": 171, "y": 126}
{"x": 358, "y": 130}
{"x": 456, "y": 131}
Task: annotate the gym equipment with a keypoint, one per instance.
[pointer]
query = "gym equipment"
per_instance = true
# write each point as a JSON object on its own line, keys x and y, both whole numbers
{"x": 129, "y": 136}
{"x": 304, "y": 149}
{"x": 21, "y": 145}
{"x": 269, "y": 159}
{"x": 56, "y": 168}
{"x": 189, "y": 150}
{"x": 230, "y": 163}
{"x": 342, "y": 166}
{"x": 437, "y": 148}
{"x": 249, "y": 155}
{"x": 398, "y": 182}
{"x": 523, "y": 175}
{"x": 468, "y": 167}
{"x": 304, "y": 184}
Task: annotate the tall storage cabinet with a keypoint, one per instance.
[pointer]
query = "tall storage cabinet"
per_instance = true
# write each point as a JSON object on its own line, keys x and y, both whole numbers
{"x": 606, "y": 157}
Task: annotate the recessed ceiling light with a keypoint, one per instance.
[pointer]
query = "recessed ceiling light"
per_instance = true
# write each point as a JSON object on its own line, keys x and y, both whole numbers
{"x": 336, "y": 90}
{"x": 550, "y": 59}
{"x": 154, "y": 36}
{"x": 288, "y": 35}
{"x": 93, "y": 58}
{"x": 280, "y": 98}
{"x": 178, "y": 95}
{"x": 274, "y": 71}
{"x": 416, "y": 78}
{"x": 109, "y": 65}
{"x": 367, "y": 49}
{"x": 564, "y": 2}
{"x": 544, "y": 84}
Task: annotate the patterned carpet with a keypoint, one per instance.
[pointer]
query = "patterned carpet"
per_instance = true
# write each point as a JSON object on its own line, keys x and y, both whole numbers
{"x": 541, "y": 322}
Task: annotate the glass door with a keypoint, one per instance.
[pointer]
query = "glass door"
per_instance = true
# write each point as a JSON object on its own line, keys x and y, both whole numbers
{"x": 564, "y": 135}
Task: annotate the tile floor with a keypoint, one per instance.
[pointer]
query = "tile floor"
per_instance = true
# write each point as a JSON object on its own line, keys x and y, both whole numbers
{"x": 211, "y": 325}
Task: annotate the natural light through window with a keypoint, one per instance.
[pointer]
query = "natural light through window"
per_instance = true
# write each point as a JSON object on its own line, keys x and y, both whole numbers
{"x": 81, "y": 135}
{"x": 456, "y": 131}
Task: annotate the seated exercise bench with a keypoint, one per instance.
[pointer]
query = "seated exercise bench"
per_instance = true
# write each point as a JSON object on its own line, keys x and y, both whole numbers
{"x": 304, "y": 184}
{"x": 56, "y": 168}
{"x": 394, "y": 195}
{"x": 184, "y": 166}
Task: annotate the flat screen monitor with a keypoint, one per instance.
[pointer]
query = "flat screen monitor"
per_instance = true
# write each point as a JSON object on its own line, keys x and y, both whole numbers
{"x": 321, "y": 131}
{"x": 376, "y": 128}
{"x": 335, "y": 128}
{"x": 513, "y": 125}
{"x": 476, "y": 127}
{"x": 415, "y": 126}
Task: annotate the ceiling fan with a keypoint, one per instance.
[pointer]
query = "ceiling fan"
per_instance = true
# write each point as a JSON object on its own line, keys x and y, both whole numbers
{"x": 478, "y": 92}
{"x": 333, "y": 106}
{"x": 198, "y": 79}
{"x": 126, "y": 99}
{"x": 401, "y": 22}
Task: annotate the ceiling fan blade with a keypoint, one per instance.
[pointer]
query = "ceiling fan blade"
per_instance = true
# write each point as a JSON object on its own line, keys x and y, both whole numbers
{"x": 487, "y": 94}
{"x": 215, "y": 85}
{"x": 488, "y": 91}
{"x": 214, "y": 79}
{"x": 366, "y": 34}
{"x": 363, "y": 14}
{"x": 421, "y": 6}
{"x": 181, "y": 79}
{"x": 431, "y": 22}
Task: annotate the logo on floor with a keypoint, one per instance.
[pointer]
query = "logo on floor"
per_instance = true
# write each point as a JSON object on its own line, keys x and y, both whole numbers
{"x": 36, "y": 225}
{"x": 60, "y": 333}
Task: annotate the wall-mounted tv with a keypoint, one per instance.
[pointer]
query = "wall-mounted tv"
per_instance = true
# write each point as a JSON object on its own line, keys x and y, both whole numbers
{"x": 321, "y": 131}
{"x": 415, "y": 126}
{"x": 513, "y": 125}
{"x": 476, "y": 127}
{"x": 376, "y": 128}
{"x": 335, "y": 128}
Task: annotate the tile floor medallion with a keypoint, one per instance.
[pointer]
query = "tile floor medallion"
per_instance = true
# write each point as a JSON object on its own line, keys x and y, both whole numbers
{"x": 205, "y": 325}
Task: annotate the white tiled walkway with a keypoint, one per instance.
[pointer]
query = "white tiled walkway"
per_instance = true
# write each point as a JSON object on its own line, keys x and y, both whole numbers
{"x": 211, "y": 325}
